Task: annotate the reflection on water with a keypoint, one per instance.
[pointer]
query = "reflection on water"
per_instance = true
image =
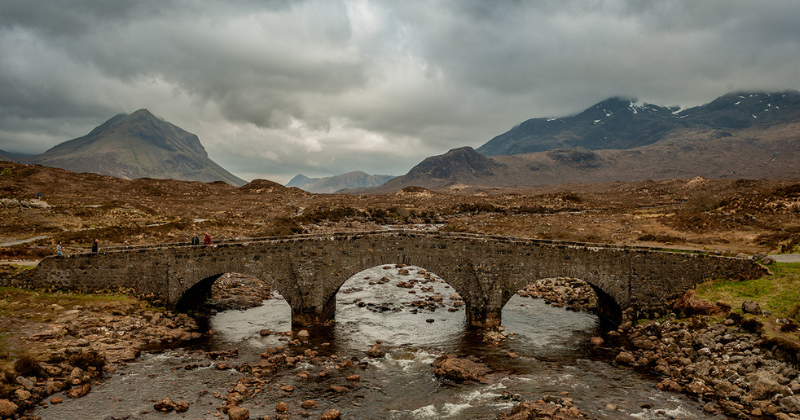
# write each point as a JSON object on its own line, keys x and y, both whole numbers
{"x": 551, "y": 344}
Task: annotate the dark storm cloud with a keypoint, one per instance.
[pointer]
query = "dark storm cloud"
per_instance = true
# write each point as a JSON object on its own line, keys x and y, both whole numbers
{"x": 274, "y": 88}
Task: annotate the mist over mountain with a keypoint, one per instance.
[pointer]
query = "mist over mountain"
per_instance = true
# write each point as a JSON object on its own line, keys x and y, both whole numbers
{"x": 139, "y": 145}
{"x": 332, "y": 184}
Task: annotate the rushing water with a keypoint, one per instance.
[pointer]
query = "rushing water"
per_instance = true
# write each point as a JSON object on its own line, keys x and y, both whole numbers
{"x": 551, "y": 344}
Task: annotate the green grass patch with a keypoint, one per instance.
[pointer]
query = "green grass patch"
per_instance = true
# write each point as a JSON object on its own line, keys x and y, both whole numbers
{"x": 779, "y": 293}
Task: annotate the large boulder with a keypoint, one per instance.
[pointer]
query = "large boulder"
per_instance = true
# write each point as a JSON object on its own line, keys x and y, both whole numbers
{"x": 751, "y": 307}
{"x": 527, "y": 410}
{"x": 460, "y": 369}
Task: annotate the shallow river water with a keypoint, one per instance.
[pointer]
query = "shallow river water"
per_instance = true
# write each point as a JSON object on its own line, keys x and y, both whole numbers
{"x": 552, "y": 345}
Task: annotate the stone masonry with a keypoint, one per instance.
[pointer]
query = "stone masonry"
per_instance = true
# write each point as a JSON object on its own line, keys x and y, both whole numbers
{"x": 308, "y": 270}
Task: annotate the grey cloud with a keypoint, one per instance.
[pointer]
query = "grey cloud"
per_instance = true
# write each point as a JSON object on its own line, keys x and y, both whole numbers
{"x": 335, "y": 86}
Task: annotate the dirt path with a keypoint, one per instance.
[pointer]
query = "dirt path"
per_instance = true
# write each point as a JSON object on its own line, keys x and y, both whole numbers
{"x": 787, "y": 258}
{"x": 28, "y": 263}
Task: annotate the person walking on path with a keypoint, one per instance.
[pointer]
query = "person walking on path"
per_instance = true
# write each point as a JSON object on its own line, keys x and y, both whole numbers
{"x": 59, "y": 250}
{"x": 207, "y": 240}
{"x": 94, "y": 247}
{"x": 195, "y": 239}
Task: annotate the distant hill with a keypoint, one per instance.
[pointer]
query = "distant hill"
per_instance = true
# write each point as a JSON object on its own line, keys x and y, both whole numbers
{"x": 4, "y": 155}
{"x": 332, "y": 184}
{"x": 139, "y": 145}
{"x": 754, "y": 135}
{"x": 463, "y": 165}
{"x": 618, "y": 123}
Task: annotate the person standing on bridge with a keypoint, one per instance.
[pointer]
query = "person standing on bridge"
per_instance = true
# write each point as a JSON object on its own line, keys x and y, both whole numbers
{"x": 207, "y": 240}
{"x": 94, "y": 246}
{"x": 59, "y": 250}
{"x": 195, "y": 239}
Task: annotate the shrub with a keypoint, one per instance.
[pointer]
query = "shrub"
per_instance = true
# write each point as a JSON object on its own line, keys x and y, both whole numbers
{"x": 85, "y": 359}
{"x": 27, "y": 365}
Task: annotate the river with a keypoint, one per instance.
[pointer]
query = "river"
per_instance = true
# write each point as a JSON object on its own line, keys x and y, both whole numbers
{"x": 554, "y": 357}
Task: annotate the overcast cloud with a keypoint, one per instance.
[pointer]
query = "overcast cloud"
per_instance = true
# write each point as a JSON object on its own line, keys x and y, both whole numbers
{"x": 323, "y": 87}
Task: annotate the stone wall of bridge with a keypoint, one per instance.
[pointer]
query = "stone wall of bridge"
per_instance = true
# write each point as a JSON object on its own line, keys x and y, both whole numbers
{"x": 309, "y": 270}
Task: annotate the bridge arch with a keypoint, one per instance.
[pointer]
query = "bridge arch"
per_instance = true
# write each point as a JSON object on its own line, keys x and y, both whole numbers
{"x": 308, "y": 270}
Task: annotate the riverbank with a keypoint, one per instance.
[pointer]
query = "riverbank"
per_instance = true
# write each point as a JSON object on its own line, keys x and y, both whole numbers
{"x": 59, "y": 345}
{"x": 104, "y": 332}
{"x": 739, "y": 360}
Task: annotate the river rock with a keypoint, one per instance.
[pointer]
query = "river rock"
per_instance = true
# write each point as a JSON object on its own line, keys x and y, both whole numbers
{"x": 79, "y": 391}
{"x": 765, "y": 389}
{"x": 8, "y": 408}
{"x": 751, "y": 307}
{"x": 376, "y": 351}
{"x": 181, "y": 407}
{"x": 22, "y": 394}
{"x": 339, "y": 389}
{"x": 790, "y": 404}
{"x": 164, "y": 405}
{"x": 27, "y": 383}
{"x": 625, "y": 357}
{"x": 540, "y": 410}
{"x": 309, "y": 404}
{"x": 331, "y": 415}
{"x": 238, "y": 413}
{"x": 460, "y": 369}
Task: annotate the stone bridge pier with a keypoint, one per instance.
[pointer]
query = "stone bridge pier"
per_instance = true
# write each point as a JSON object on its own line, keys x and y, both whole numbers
{"x": 308, "y": 270}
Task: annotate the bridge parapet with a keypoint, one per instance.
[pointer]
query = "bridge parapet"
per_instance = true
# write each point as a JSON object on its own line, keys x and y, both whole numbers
{"x": 308, "y": 270}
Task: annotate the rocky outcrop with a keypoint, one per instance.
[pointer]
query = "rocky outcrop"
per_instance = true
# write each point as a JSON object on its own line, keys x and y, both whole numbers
{"x": 736, "y": 371}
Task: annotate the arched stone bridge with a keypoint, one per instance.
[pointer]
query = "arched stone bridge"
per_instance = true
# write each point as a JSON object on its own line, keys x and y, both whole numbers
{"x": 308, "y": 270}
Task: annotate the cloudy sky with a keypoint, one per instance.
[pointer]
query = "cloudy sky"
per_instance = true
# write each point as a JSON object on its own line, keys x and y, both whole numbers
{"x": 274, "y": 88}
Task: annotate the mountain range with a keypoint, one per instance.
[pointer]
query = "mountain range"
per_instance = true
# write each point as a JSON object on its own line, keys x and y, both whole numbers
{"x": 332, "y": 184}
{"x": 139, "y": 145}
{"x": 618, "y": 123}
{"x": 739, "y": 135}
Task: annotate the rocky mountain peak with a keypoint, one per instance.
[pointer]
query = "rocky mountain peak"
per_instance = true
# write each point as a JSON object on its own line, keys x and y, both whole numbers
{"x": 137, "y": 145}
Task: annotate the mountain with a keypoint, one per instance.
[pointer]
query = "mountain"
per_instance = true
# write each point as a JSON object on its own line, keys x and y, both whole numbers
{"x": 463, "y": 165}
{"x": 139, "y": 145}
{"x": 332, "y": 184}
{"x": 618, "y": 123}
{"x": 4, "y": 155}
{"x": 754, "y": 135}
{"x": 300, "y": 180}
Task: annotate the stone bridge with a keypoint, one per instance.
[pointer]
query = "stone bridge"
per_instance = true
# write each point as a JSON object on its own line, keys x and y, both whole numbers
{"x": 308, "y": 270}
